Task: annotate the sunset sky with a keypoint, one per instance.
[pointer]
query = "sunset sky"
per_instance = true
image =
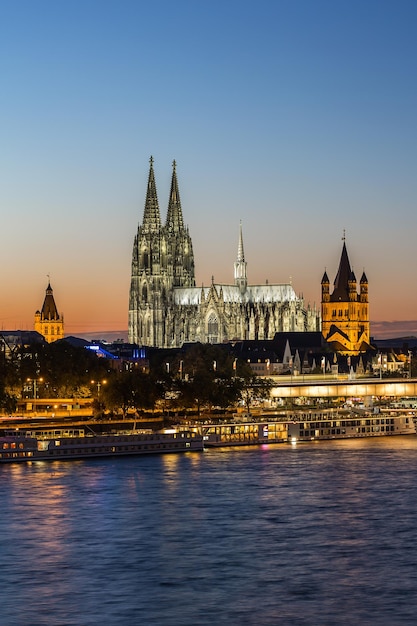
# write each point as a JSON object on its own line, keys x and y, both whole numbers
{"x": 297, "y": 117}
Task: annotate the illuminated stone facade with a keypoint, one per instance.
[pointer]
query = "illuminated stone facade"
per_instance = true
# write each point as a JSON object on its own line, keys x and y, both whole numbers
{"x": 48, "y": 322}
{"x": 166, "y": 309}
{"x": 345, "y": 312}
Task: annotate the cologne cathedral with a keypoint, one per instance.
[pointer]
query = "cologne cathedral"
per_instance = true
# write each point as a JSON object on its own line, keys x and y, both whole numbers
{"x": 166, "y": 309}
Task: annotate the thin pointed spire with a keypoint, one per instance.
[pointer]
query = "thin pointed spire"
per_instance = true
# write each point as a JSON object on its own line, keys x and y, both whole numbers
{"x": 240, "y": 251}
{"x": 343, "y": 276}
{"x": 240, "y": 265}
{"x": 151, "y": 215}
{"x": 174, "y": 221}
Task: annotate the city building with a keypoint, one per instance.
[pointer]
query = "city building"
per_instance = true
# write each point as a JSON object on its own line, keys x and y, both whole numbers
{"x": 345, "y": 312}
{"x": 48, "y": 322}
{"x": 166, "y": 308}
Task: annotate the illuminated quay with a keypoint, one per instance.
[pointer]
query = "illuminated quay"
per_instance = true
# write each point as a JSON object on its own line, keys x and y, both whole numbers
{"x": 359, "y": 388}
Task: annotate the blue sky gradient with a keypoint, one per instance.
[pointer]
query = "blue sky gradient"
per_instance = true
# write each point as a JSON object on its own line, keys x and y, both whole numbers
{"x": 296, "y": 117}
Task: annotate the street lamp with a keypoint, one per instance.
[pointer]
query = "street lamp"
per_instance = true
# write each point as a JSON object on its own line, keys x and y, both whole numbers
{"x": 99, "y": 385}
{"x": 34, "y": 387}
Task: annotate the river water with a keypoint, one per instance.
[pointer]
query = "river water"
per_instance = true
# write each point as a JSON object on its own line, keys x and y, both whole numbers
{"x": 313, "y": 534}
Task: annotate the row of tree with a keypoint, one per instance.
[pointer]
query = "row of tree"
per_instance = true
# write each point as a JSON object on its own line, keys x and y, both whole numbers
{"x": 204, "y": 376}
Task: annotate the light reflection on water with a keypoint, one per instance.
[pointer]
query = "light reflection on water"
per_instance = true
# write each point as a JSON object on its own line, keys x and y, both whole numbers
{"x": 320, "y": 533}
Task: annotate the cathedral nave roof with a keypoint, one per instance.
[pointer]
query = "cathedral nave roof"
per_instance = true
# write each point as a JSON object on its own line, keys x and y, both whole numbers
{"x": 231, "y": 293}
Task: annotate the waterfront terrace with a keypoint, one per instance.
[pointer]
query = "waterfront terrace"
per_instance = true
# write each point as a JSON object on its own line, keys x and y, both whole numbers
{"x": 357, "y": 388}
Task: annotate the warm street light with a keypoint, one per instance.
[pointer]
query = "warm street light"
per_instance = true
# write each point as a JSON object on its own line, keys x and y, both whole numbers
{"x": 35, "y": 381}
{"x": 99, "y": 385}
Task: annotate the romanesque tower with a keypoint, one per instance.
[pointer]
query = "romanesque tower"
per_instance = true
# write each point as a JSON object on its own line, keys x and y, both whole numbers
{"x": 48, "y": 322}
{"x": 345, "y": 312}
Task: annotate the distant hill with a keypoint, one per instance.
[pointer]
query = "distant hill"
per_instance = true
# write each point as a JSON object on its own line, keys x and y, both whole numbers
{"x": 107, "y": 336}
{"x": 396, "y": 328}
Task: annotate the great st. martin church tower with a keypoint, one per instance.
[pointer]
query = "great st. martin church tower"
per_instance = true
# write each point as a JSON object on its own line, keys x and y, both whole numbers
{"x": 166, "y": 309}
{"x": 345, "y": 312}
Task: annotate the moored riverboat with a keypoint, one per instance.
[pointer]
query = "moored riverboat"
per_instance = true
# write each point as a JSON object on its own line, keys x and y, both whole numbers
{"x": 301, "y": 426}
{"x": 310, "y": 427}
{"x": 29, "y": 446}
{"x": 244, "y": 433}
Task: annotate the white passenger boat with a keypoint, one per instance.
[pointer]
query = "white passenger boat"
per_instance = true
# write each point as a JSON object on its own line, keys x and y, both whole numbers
{"x": 307, "y": 426}
{"x": 345, "y": 425}
{"x": 76, "y": 444}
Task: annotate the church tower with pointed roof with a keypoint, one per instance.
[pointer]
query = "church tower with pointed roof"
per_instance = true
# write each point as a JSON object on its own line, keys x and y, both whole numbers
{"x": 48, "y": 322}
{"x": 345, "y": 312}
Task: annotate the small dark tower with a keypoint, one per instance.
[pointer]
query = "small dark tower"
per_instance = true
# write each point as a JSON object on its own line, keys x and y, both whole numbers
{"x": 325, "y": 288}
{"x": 364, "y": 288}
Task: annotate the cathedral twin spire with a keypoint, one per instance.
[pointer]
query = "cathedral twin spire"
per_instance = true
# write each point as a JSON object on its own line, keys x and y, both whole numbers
{"x": 174, "y": 220}
{"x": 151, "y": 216}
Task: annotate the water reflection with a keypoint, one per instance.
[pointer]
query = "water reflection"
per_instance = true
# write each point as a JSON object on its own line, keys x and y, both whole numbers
{"x": 322, "y": 533}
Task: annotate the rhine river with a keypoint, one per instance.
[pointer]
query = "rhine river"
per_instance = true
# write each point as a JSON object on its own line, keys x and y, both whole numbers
{"x": 314, "y": 534}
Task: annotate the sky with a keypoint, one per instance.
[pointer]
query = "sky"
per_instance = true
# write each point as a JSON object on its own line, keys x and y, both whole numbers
{"x": 295, "y": 117}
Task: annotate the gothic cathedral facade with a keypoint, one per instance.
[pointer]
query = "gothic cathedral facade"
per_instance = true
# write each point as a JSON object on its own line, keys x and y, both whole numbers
{"x": 166, "y": 309}
{"x": 345, "y": 312}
